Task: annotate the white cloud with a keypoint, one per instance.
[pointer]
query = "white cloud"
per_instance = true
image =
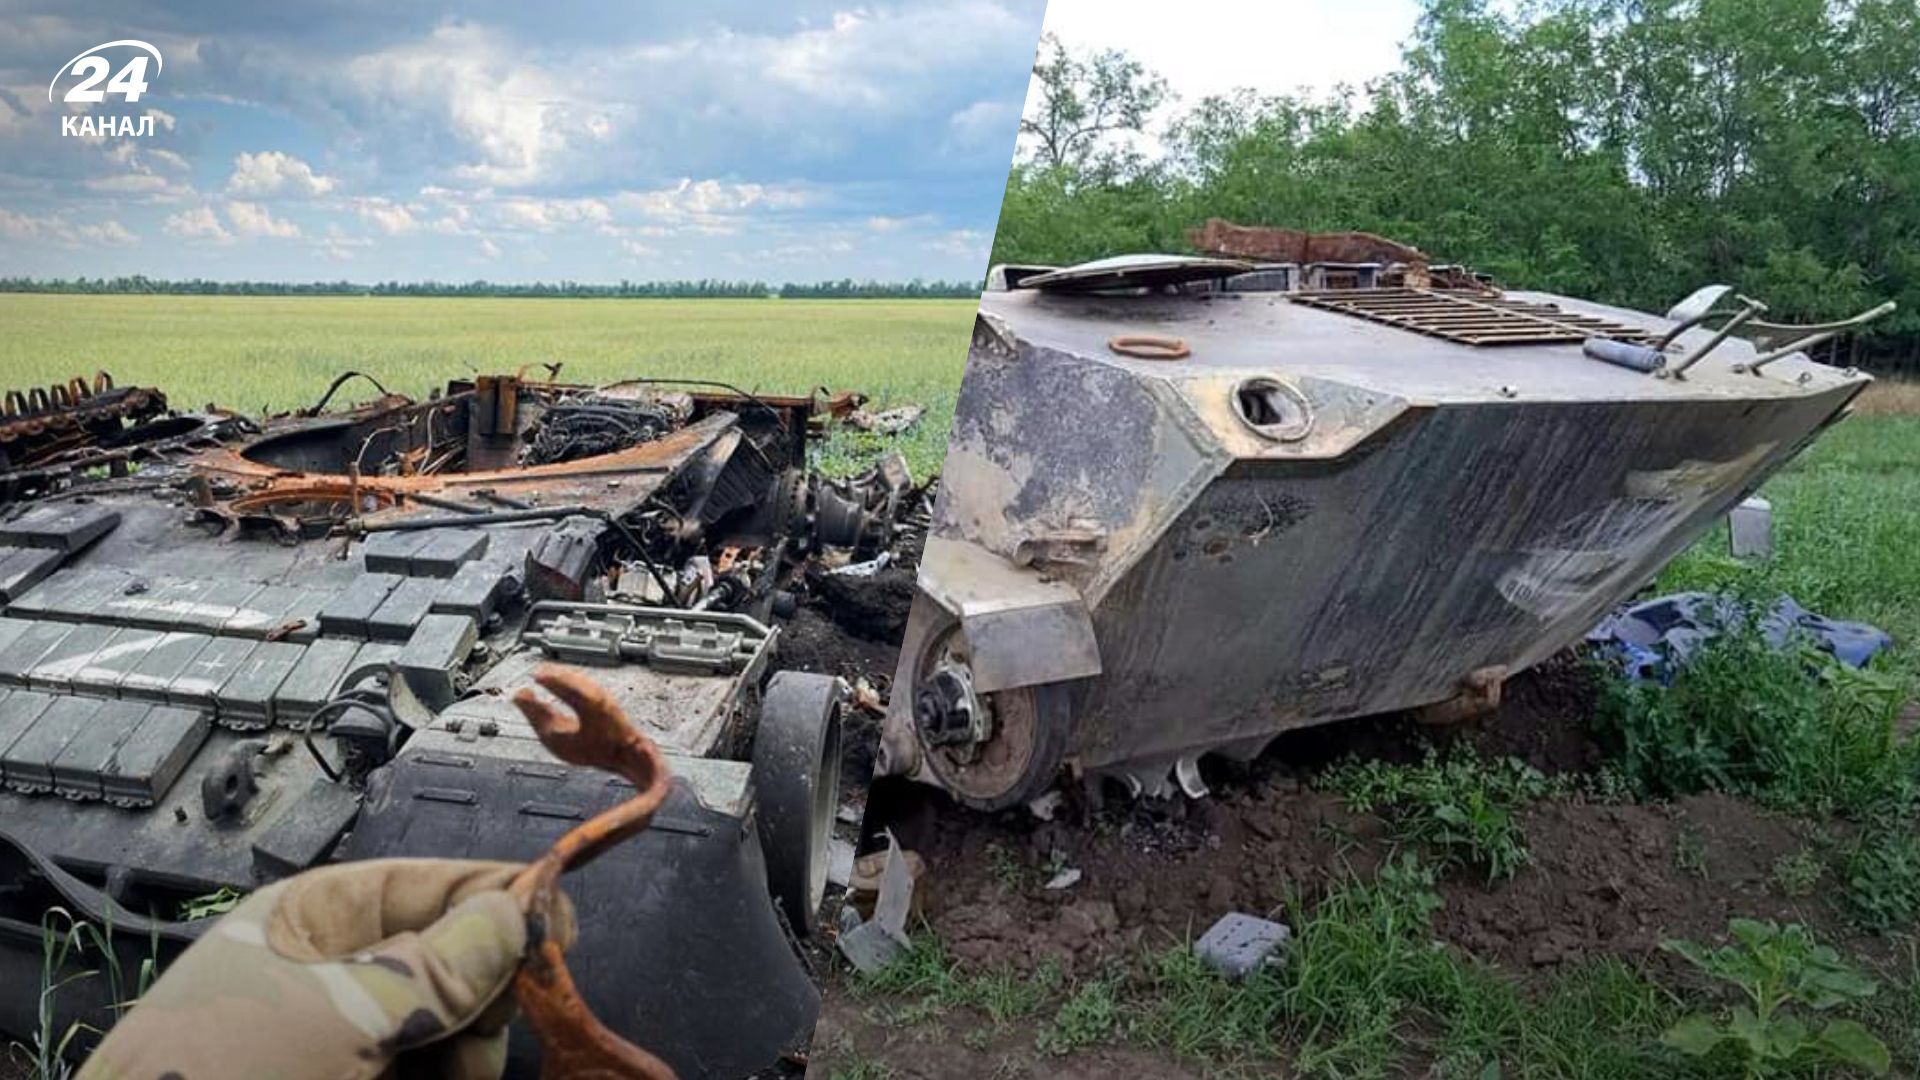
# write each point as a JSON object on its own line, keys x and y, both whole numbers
{"x": 340, "y": 247}
{"x": 983, "y": 127}
{"x": 24, "y": 227}
{"x": 966, "y": 244}
{"x": 514, "y": 115}
{"x": 55, "y": 227}
{"x": 272, "y": 172}
{"x": 881, "y": 60}
{"x": 881, "y": 223}
{"x": 711, "y": 207}
{"x": 386, "y": 215}
{"x": 489, "y": 249}
{"x": 162, "y": 117}
{"x": 196, "y": 224}
{"x": 252, "y": 219}
{"x": 139, "y": 178}
{"x": 132, "y": 183}
{"x": 638, "y": 250}
{"x": 545, "y": 215}
{"x": 107, "y": 232}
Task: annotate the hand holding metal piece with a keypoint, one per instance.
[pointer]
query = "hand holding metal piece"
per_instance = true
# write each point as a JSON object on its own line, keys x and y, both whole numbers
{"x": 596, "y": 734}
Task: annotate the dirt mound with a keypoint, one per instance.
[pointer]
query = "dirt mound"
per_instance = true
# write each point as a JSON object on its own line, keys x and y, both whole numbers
{"x": 1606, "y": 878}
{"x": 813, "y": 641}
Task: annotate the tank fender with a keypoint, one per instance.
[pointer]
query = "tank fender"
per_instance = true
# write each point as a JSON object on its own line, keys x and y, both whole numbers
{"x": 1022, "y": 627}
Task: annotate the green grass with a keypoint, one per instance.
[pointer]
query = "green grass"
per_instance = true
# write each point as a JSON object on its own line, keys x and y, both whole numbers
{"x": 1366, "y": 991}
{"x": 1459, "y": 809}
{"x": 1846, "y": 536}
{"x": 256, "y": 354}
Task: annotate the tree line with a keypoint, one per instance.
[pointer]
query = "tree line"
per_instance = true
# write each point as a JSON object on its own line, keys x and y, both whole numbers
{"x": 1628, "y": 151}
{"x": 706, "y": 288}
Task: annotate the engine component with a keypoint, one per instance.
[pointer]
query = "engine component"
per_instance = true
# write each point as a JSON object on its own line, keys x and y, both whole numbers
{"x": 591, "y": 425}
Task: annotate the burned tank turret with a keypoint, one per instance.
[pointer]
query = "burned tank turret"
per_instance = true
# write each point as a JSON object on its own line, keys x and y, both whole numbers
{"x": 1191, "y": 503}
{"x": 232, "y": 650}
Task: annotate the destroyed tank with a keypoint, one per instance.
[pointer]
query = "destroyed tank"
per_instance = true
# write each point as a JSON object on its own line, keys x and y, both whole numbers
{"x": 1190, "y": 503}
{"x": 231, "y": 651}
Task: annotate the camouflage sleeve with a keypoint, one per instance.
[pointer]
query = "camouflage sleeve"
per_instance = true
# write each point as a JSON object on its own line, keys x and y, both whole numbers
{"x": 338, "y": 973}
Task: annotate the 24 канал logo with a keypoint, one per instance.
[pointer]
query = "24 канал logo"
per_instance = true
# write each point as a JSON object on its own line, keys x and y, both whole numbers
{"x": 129, "y": 82}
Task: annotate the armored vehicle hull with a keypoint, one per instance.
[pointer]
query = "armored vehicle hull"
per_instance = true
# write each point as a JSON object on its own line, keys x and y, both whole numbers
{"x": 1177, "y": 518}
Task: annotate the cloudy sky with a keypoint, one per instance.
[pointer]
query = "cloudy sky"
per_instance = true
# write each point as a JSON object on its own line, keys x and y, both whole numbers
{"x": 459, "y": 139}
{"x": 1213, "y": 46}
{"x": 1205, "y": 47}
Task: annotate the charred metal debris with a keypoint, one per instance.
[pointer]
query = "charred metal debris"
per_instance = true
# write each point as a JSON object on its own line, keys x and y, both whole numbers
{"x": 684, "y": 494}
{"x": 237, "y": 648}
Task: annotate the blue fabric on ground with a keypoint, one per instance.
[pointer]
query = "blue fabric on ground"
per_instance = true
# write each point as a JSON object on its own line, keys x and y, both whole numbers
{"x": 1656, "y": 635}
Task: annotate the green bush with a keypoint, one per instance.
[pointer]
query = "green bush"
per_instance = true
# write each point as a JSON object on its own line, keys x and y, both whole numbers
{"x": 1782, "y": 971}
{"x": 1880, "y": 875}
{"x": 1459, "y": 808}
{"x": 1792, "y": 727}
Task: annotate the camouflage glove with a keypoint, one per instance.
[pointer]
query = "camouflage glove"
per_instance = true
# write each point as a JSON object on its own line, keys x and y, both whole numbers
{"x": 386, "y": 967}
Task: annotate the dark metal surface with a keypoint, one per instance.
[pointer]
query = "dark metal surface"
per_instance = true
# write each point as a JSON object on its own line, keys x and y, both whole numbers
{"x": 1472, "y": 318}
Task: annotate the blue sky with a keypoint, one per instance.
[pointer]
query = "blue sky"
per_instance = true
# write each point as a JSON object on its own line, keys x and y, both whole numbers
{"x": 784, "y": 141}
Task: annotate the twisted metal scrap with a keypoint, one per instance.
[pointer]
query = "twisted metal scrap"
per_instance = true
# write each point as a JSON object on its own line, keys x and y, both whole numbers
{"x": 574, "y": 1043}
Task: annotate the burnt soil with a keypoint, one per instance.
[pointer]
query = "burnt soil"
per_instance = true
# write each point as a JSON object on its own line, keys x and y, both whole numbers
{"x": 1607, "y": 879}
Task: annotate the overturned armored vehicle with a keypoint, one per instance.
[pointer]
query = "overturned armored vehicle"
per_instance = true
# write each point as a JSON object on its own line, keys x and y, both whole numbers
{"x": 232, "y": 651}
{"x": 1192, "y": 503}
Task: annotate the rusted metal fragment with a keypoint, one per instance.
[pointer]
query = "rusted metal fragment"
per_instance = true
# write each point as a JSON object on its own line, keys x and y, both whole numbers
{"x": 573, "y": 1041}
{"x": 1223, "y": 238}
{"x": 608, "y": 481}
{"x": 1479, "y": 695}
{"x": 37, "y": 422}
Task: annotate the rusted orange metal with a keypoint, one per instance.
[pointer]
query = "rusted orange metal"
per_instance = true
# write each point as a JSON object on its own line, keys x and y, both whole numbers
{"x": 264, "y": 487}
{"x": 72, "y": 407}
{"x": 1224, "y": 238}
{"x": 573, "y": 1042}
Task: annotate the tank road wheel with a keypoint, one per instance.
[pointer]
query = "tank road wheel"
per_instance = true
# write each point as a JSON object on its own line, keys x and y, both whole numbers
{"x": 989, "y": 750}
{"x": 796, "y": 773}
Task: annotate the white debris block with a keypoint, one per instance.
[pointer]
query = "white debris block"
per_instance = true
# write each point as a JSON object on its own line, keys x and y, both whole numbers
{"x": 1750, "y": 527}
{"x": 840, "y": 856}
{"x": 1239, "y": 944}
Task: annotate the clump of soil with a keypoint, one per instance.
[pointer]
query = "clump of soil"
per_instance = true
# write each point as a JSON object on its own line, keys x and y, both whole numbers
{"x": 813, "y": 641}
{"x": 872, "y": 607}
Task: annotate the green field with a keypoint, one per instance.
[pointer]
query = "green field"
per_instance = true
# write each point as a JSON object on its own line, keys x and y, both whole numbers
{"x": 257, "y": 354}
{"x": 1846, "y": 535}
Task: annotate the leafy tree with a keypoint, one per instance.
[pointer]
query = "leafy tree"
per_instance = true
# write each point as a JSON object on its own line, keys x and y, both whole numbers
{"x": 1625, "y": 150}
{"x": 1084, "y": 99}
